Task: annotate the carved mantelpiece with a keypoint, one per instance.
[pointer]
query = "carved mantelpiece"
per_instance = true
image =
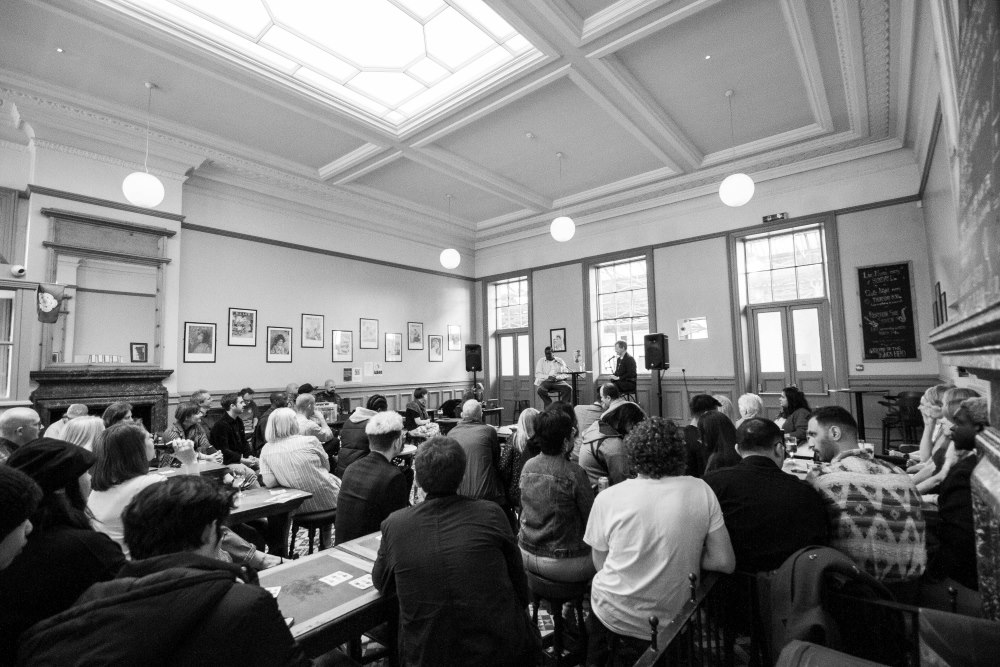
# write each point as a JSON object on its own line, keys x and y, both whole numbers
{"x": 98, "y": 387}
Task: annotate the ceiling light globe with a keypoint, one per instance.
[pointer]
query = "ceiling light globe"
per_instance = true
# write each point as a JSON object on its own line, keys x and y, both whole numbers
{"x": 562, "y": 229}
{"x": 450, "y": 259}
{"x": 143, "y": 189}
{"x": 736, "y": 190}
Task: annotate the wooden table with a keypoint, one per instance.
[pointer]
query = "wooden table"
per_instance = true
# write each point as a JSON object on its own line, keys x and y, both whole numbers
{"x": 573, "y": 375}
{"x": 489, "y": 413}
{"x": 276, "y": 505}
{"x": 447, "y": 423}
{"x": 365, "y": 546}
{"x": 205, "y": 468}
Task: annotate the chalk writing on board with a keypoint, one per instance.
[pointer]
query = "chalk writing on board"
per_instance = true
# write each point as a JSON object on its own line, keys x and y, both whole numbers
{"x": 887, "y": 318}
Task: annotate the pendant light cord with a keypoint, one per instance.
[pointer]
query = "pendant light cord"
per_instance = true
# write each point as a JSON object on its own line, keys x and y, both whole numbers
{"x": 149, "y": 104}
{"x": 732, "y": 132}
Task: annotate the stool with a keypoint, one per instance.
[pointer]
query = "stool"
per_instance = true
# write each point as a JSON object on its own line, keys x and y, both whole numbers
{"x": 559, "y": 593}
{"x": 311, "y": 521}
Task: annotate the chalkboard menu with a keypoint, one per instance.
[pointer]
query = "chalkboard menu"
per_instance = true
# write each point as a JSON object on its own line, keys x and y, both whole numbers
{"x": 887, "y": 312}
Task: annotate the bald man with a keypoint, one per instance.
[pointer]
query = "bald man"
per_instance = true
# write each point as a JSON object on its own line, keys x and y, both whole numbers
{"x": 18, "y": 426}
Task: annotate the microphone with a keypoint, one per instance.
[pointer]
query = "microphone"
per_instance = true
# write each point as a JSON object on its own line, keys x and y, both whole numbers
{"x": 686, "y": 392}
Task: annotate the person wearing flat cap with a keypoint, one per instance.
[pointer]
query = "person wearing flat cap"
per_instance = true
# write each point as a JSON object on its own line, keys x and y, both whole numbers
{"x": 64, "y": 555}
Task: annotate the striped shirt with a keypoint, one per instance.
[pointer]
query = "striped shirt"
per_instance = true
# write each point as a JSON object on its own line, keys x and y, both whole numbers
{"x": 299, "y": 462}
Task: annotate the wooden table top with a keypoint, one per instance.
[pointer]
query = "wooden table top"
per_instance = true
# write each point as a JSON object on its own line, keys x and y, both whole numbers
{"x": 259, "y": 502}
{"x": 206, "y": 468}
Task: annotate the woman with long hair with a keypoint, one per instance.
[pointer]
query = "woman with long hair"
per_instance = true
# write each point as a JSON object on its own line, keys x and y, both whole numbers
{"x": 514, "y": 454}
{"x": 117, "y": 412}
{"x": 794, "y": 413}
{"x": 64, "y": 554}
{"x": 719, "y": 437}
{"x": 932, "y": 474}
{"x": 83, "y": 431}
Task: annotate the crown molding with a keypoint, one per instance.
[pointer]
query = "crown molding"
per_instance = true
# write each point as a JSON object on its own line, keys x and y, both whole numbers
{"x": 847, "y": 30}
{"x": 800, "y": 31}
{"x": 875, "y": 37}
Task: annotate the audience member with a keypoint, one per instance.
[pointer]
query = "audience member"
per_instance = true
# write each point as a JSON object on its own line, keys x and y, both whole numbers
{"x": 482, "y": 454}
{"x": 586, "y": 415}
{"x": 647, "y": 535}
{"x": 718, "y": 435}
{"x": 769, "y": 513}
{"x": 514, "y": 455}
{"x": 311, "y": 421}
{"x": 57, "y": 430}
{"x": 84, "y": 431}
{"x": 417, "y": 420}
{"x": 373, "y": 488}
{"x": 175, "y": 604}
{"x": 120, "y": 411}
{"x": 556, "y": 498}
{"x": 931, "y": 409}
{"x": 353, "y": 439}
{"x": 278, "y": 399}
{"x": 698, "y": 405}
{"x": 249, "y": 414}
{"x": 794, "y": 417}
{"x": 931, "y": 474}
{"x": 291, "y": 393}
{"x": 18, "y": 426}
{"x": 726, "y": 406}
{"x": 625, "y": 375}
{"x": 603, "y": 453}
{"x": 453, "y": 563}
{"x": 203, "y": 399}
{"x": 187, "y": 426}
{"x": 19, "y": 497}
{"x": 64, "y": 554}
{"x": 298, "y": 461}
{"x": 550, "y": 375}
{"x": 873, "y": 508}
{"x": 227, "y": 434}
{"x": 328, "y": 394}
{"x": 751, "y": 407}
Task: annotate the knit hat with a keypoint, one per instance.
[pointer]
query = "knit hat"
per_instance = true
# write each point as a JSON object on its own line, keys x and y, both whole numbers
{"x": 19, "y": 497}
{"x": 53, "y": 464}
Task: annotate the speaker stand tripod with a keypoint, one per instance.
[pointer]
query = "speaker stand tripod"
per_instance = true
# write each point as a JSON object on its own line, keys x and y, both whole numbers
{"x": 659, "y": 394}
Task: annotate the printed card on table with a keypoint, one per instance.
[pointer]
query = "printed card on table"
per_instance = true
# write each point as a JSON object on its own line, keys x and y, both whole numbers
{"x": 273, "y": 590}
{"x": 363, "y": 582}
{"x": 336, "y": 578}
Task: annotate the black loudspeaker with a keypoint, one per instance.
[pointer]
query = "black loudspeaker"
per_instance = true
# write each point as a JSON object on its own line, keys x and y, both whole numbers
{"x": 474, "y": 358}
{"x": 657, "y": 355}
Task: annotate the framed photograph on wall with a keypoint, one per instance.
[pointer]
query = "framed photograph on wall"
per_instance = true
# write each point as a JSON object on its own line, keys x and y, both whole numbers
{"x": 369, "y": 334}
{"x": 414, "y": 335}
{"x": 454, "y": 337}
{"x": 394, "y": 347}
{"x": 279, "y": 345}
{"x": 435, "y": 348}
{"x": 199, "y": 343}
{"x": 243, "y": 327}
{"x": 312, "y": 330}
{"x": 343, "y": 345}
{"x": 557, "y": 340}
{"x": 139, "y": 353}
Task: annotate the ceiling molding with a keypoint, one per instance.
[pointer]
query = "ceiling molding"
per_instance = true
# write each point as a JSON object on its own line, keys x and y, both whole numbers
{"x": 875, "y": 37}
{"x": 905, "y": 59}
{"x": 616, "y": 42}
{"x": 847, "y": 29}
{"x": 801, "y": 32}
{"x": 386, "y": 158}
{"x": 616, "y": 15}
{"x": 355, "y": 157}
{"x": 770, "y": 143}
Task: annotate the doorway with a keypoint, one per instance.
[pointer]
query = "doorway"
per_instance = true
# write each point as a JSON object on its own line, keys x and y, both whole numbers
{"x": 516, "y": 381}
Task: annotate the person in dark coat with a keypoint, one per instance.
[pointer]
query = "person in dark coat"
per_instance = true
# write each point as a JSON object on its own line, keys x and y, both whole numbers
{"x": 353, "y": 439}
{"x": 625, "y": 374}
{"x": 455, "y": 567}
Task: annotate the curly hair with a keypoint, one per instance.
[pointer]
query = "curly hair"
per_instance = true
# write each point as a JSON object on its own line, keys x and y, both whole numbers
{"x": 656, "y": 448}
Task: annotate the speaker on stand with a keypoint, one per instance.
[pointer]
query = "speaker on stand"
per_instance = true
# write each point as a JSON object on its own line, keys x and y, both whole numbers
{"x": 474, "y": 361}
{"x": 658, "y": 359}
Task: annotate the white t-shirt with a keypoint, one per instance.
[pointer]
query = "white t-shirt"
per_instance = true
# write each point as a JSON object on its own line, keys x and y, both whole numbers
{"x": 107, "y": 506}
{"x": 654, "y": 532}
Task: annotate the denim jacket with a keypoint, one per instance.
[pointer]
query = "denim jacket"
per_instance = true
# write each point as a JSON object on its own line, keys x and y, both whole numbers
{"x": 556, "y": 498}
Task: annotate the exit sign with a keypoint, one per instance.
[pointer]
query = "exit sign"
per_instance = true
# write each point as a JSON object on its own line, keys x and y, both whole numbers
{"x": 774, "y": 217}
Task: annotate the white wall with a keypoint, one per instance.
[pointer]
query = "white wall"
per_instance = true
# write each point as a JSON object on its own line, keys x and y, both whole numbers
{"x": 557, "y": 303}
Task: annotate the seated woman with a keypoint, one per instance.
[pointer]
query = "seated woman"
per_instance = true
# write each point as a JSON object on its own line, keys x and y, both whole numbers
{"x": 117, "y": 412}
{"x": 751, "y": 406}
{"x": 556, "y": 498}
{"x": 83, "y": 431}
{"x": 187, "y": 426}
{"x": 936, "y": 469}
{"x": 514, "y": 454}
{"x": 603, "y": 452}
{"x": 64, "y": 554}
{"x": 417, "y": 421}
{"x": 353, "y": 440}
{"x": 794, "y": 417}
{"x": 719, "y": 437}
{"x": 931, "y": 409}
{"x": 726, "y": 406}
{"x": 299, "y": 462}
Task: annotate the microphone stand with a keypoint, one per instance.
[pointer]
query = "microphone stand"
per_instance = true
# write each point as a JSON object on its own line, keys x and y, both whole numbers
{"x": 687, "y": 393}
{"x": 659, "y": 393}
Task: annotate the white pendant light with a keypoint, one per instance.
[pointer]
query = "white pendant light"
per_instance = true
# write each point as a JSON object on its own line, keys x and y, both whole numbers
{"x": 736, "y": 189}
{"x": 141, "y": 188}
{"x": 450, "y": 259}
{"x": 562, "y": 228}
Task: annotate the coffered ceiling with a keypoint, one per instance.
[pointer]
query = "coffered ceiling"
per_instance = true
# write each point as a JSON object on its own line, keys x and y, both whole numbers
{"x": 631, "y": 92}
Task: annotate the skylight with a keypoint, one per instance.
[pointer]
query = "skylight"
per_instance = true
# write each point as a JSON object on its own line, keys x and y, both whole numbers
{"x": 395, "y": 63}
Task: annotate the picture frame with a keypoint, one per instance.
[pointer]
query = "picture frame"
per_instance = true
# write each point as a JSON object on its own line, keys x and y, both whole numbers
{"x": 435, "y": 348}
{"x": 368, "y": 334}
{"x": 342, "y": 343}
{"x": 242, "y": 327}
{"x": 139, "y": 353}
{"x": 454, "y": 337}
{"x": 279, "y": 345}
{"x": 199, "y": 342}
{"x": 557, "y": 339}
{"x": 414, "y": 335}
{"x": 394, "y": 347}
{"x": 312, "y": 330}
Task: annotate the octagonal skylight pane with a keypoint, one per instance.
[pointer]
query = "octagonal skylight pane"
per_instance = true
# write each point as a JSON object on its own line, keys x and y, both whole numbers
{"x": 424, "y": 9}
{"x": 247, "y": 16}
{"x": 487, "y": 18}
{"x": 389, "y": 88}
{"x": 311, "y": 56}
{"x": 428, "y": 71}
{"x": 454, "y": 40}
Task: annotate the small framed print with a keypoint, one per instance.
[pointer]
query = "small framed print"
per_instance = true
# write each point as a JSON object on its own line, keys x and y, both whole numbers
{"x": 557, "y": 340}
{"x": 435, "y": 348}
{"x": 243, "y": 327}
{"x": 414, "y": 335}
{"x": 139, "y": 353}
{"x": 343, "y": 345}
{"x": 394, "y": 347}
{"x": 279, "y": 345}
{"x": 369, "y": 334}
{"x": 199, "y": 343}
{"x": 312, "y": 330}
{"x": 454, "y": 337}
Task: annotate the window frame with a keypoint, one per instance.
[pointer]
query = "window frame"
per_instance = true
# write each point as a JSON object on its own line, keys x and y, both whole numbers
{"x": 592, "y": 332}
{"x": 22, "y": 322}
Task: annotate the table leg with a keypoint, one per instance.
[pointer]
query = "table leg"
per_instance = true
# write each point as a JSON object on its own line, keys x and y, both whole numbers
{"x": 573, "y": 384}
{"x": 859, "y": 404}
{"x": 277, "y": 534}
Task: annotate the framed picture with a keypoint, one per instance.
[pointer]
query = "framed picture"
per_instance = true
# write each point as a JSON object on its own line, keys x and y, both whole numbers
{"x": 199, "y": 343}
{"x": 343, "y": 345}
{"x": 394, "y": 347}
{"x": 243, "y": 327}
{"x": 454, "y": 337}
{"x": 140, "y": 353}
{"x": 557, "y": 339}
{"x": 279, "y": 345}
{"x": 435, "y": 348}
{"x": 312, "y": 330}
{"x": 414, "y": 335}
{"x": 369, "y": 334}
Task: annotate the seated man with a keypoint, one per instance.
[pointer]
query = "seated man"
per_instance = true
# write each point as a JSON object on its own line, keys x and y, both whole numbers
{"x": 278, "y": 399}
{"x": 481, "y": 445}
{"x": 328, "y": 394}
{"x": 18, "y": 426}
{"x": 625, "y": 374}
{"x": 588, "y": 414}
{"x": 57, "y": 429}
{"x": 174, "y": 603}
{"x": 250, "y": 412}
{"x": 769, "y": 514}
{"x": 873, "y": 508}
{"x": 228, "y": 436}
{"x": 373, "y": 488}
{"x": 455, "y": 566}
{"x": 550, "y": 375}
{"x": 311, "y": 420}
